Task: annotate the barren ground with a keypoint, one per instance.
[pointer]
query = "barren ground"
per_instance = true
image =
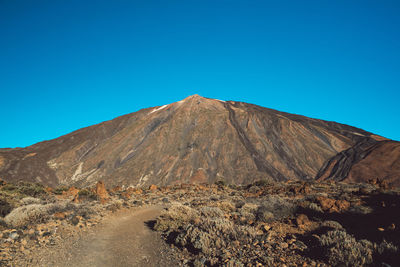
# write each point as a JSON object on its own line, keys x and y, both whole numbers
{"x": 123, "y": 239}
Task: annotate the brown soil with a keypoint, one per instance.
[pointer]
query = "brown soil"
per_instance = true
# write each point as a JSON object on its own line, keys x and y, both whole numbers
{"x": 123, "y": 239}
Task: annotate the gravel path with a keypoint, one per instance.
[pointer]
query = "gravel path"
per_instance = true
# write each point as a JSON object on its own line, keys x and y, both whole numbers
{"x": 123, "y": 239}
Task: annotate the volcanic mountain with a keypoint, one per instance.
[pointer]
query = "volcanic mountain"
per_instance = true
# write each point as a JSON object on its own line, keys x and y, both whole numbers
{"x": 205, "y": 140}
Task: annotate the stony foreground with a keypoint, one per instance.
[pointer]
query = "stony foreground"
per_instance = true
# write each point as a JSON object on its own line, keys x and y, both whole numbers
{"x": 262, "y": 224}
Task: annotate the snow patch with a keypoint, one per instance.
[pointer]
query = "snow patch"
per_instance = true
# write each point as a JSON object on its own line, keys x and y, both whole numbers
{"x": 220, "y": 100}
{"x": 157, "y": 109}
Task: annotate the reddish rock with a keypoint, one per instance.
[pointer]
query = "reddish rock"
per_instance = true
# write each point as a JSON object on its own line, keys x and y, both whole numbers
{"x": 59, "y": 215}
{"x": 71, "y": 192}
{"x": 77, "y": 199}
{"x": 138, "y": 191}
{"x": 116, "y": 189}
{"x": 164, "y": 189}
{"x": 126, "y": 195}
{"x": 381, "y": 183}
{"x": 201, "y": 187}
{"x": 384, "y": 184}
{"x": 153, "y": 188}
{"x": 332, "y": 205}
{"x": 302, "y": 220}
{"x": 48, "y": 189}
{"x": 300, "y": 189}
{"x": 342, "y": 205}
{"x": 326, "y": 203}
{"x": 101, "y": 192}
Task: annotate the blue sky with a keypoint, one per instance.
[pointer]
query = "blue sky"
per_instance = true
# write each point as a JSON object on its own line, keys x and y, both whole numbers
{"x": 70, "y": 64}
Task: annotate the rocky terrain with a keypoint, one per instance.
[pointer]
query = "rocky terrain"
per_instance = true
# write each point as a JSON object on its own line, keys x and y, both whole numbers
{"x": 260, "y": 224}
{"x": 201, "y": 140}
{"x": 203, "y": 182}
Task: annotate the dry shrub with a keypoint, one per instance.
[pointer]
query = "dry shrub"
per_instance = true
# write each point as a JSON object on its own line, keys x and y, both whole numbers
{"x": 174, "y": 217}
{"x": 332, "y": 224}
{"x": 39, "y": 213}
{"x": 387, "y": 253}
{"x": 5, "y": 207}
{"x": 247, "y": 212}
{"x": 205, "y": 230}
{"x": 315, "y": 207}
{"x": 342, "y": 249}
{"x": 226, "y": 206}
{"x": 211, "y": 234}
{"x": 115, "y": 205}
{"x": 30, "y": 200}
{"x": 33, "y": 213}
{"x": 84, "y": 209}
{"x": 212, "y": 212}
{"x": 249, "y": 208}
{"x": 275, "y": 208}
{"x": 360, "y": 209}
{"x": 25, "y": 189}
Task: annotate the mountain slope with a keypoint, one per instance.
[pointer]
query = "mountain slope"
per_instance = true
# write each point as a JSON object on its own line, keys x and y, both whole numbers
{"x": 365, "y": 161}
{"x": 193, "y": 140}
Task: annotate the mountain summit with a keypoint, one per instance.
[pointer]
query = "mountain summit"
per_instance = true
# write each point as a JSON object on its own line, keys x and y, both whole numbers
{"x": 205, "y": 140}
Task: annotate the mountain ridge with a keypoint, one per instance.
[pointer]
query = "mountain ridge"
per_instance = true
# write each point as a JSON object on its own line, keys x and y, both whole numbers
{"x": 196, "y": 139}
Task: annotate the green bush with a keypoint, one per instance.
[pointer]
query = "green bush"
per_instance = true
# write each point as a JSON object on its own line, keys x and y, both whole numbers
{"x": 31, "y": 189}
{"x": 9, "y": 188}
{"x": 59, "y": 190}
{"x": 24, "y": 189}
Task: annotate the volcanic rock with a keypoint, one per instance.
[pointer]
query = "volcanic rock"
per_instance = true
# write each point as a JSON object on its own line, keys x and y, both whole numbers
{"x": 101, "y": 192}
{"x": 368, "y": 160}
{"x": 202, "y": 140}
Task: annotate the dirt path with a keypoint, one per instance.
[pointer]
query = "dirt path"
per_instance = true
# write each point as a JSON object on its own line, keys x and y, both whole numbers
{"x": 123, "y": 239}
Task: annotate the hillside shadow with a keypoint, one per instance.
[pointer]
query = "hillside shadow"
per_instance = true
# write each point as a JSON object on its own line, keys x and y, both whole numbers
{"x": 382, "y": 223}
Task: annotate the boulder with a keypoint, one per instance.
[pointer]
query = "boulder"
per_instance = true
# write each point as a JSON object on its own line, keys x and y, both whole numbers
{"x": 302, "y": 221}
{"x": 59, "y": 215}
{"x": 71, "y": 192}
{"x": 153, "y": 187}
{"x": 331, "y": 205}
{"x": 101, "y": 192}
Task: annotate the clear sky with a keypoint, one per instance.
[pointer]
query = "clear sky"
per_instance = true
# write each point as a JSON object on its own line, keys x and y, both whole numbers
{"x": 68, "y": 64}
